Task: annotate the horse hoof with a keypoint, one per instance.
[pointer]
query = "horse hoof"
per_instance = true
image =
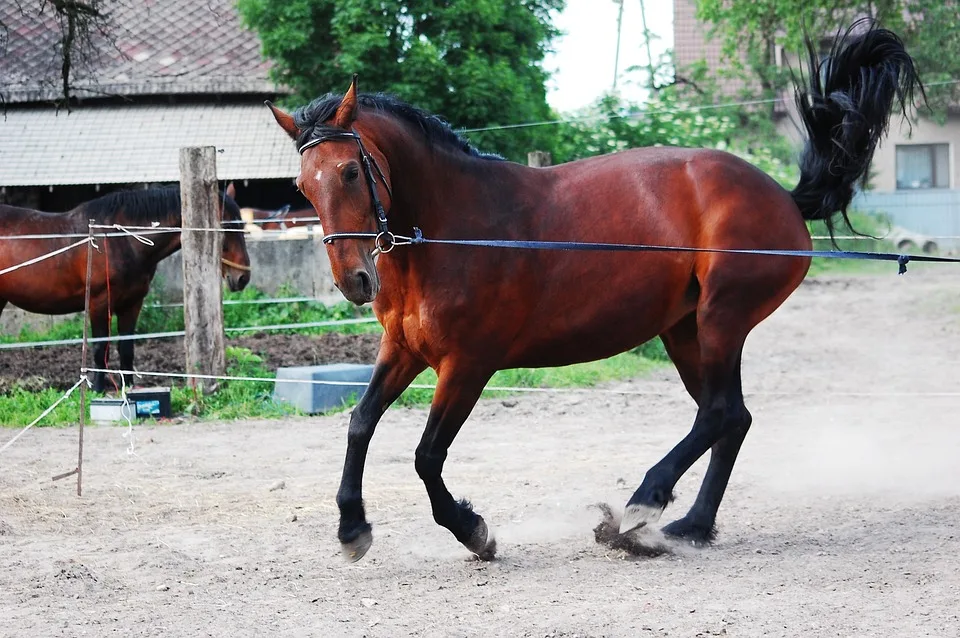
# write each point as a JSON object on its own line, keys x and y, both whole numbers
{"x": 355, "y": 549}
{"x": 686, "y": 531}
{"x": 482, "y": 543}
{"x": 637, "y": 516}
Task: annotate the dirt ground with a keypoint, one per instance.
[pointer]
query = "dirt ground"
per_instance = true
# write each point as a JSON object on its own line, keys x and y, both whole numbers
{"x": 57, "y": 366}
{"x": 842, "y": 517}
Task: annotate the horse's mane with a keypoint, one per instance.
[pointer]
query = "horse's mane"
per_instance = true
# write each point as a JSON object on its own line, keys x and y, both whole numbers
{"x": 435, "y": 130}
{"x": 143, "y": 207}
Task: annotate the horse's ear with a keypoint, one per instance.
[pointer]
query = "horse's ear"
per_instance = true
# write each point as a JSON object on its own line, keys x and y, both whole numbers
{"x": 347, "y": 111}
{"x": 285, "y": 120}
{"x": 231, "y": 191}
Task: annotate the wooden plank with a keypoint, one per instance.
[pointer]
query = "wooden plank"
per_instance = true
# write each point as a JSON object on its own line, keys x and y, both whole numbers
{"x": 202, "y": 288}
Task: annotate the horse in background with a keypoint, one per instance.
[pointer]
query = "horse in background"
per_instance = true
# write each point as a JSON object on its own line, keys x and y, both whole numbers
{"x": 122, "y": 268}
{"x": 279, "y": 220}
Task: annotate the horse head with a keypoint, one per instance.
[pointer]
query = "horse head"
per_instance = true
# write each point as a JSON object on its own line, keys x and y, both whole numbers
{"x": 335, "y": 176}
{"x": 235, "y": 260}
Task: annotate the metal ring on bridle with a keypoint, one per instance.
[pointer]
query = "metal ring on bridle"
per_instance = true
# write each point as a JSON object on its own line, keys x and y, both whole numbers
{"x": 390, "y": 238}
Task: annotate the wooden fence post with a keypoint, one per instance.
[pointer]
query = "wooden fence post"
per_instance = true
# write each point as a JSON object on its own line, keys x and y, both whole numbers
{"x": 202, "y": 250}
{"x": 539, "y": 159}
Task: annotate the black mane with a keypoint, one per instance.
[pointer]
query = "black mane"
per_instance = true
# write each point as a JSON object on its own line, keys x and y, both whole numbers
{"x": 310, "y": 120}
{"x": 143, "y": 207}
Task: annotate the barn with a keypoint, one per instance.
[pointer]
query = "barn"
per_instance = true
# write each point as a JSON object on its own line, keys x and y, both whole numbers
{"x": 173, "y": 73}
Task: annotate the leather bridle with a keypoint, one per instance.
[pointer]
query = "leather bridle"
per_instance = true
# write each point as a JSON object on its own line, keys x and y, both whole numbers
{"x": 384, "y": 240}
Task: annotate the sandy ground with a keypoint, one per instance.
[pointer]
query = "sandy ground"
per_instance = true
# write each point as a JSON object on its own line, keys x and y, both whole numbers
{"x": 842, "y": 517}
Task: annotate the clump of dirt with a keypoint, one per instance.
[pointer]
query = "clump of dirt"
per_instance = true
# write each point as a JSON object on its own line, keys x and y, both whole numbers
{"x": 59, "y": 366}
{"x": 635, "y": 543}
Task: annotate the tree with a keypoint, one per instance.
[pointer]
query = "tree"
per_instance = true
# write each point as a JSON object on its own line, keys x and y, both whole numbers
{"x": 681, "y": 114}
{"x": 476, "y": 63}
{"x": 750, "y": 31}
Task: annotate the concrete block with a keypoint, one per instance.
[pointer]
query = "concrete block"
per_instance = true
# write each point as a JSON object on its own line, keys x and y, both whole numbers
{"x": 315, "y": 397}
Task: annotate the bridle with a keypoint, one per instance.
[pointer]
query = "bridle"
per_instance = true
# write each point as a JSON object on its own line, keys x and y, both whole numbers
{"x": 384, "y": 240}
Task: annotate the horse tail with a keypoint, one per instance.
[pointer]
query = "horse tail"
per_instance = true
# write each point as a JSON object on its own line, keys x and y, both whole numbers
{"x": 845, "y": 111}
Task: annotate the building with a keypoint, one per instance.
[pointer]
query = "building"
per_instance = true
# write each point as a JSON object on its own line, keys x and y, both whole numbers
{"x": 181, "y": 73}
{"x": 915, "y": 175}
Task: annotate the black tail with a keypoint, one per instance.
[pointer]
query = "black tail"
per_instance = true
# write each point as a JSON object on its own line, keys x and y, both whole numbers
{"x": 845, "y": 112}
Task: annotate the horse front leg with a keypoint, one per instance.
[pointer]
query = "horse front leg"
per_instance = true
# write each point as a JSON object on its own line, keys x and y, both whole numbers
{"x": 458, "y": 389}
{"x": 126, "y": 326}
{"x": 395, "y": 369}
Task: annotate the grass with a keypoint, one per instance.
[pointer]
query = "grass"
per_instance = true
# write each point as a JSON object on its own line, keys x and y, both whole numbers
{"x": 865, "y": 223}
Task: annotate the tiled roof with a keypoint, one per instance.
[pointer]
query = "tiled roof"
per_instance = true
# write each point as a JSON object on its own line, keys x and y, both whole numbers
{"x": 133, "y": 144}
{"x": 163, "y": 47}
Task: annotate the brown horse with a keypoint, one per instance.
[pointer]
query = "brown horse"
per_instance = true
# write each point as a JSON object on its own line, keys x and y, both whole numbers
{"x": 467, "y": 312}
{"x": 58, "y": 285}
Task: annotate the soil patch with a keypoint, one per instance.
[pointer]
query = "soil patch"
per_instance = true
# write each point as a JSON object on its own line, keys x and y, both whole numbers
{"x": 58, "y": 366}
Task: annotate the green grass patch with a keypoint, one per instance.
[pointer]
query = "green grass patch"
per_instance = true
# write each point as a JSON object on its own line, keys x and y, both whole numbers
{"x": 20, "y": 405}
{"x": 233, "y": 400}
{"x": 627, "y": 365}
{"x": 865, "y": 223}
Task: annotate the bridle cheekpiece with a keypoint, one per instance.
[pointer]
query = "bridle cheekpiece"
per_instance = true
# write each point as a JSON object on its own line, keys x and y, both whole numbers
{"x": 384, "y": 240}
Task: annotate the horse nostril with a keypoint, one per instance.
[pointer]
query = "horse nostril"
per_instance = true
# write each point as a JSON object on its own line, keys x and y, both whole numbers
{"x": 244, "y": 280}
{"x": 365, "y": 285}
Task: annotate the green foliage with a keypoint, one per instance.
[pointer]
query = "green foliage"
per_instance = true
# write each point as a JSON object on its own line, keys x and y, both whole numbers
{"x": 476, "y": 63}
{"x": 678, "y": 116}
{"x": 22, "y": 404}
{"x": 239, "y": 315}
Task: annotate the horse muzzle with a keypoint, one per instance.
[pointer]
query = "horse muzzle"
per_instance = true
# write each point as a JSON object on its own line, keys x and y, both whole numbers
{"x": 360, "y": 287}
{"x": 237, "y": 275}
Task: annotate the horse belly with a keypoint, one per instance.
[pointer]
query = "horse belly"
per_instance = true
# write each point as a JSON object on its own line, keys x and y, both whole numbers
{"x": 577, "y": 322}
{"x": 51, "y": 287}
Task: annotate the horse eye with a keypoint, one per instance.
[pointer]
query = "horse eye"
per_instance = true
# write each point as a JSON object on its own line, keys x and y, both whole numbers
{"x": 351, "y": 174}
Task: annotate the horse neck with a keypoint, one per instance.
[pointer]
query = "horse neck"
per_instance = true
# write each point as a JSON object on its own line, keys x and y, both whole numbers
{"x": 445, "y": 191}
{"x": 164, "y": 244}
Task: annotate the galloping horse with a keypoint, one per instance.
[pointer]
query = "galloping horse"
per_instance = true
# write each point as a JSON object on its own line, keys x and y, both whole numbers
{"x": 467, "y": 312}
{"x": 58, "y": 285}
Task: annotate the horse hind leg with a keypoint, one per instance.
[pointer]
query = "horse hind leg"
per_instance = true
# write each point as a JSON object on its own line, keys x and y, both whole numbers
{"x": 698, "y": 526}
{"x": 126, "y": 327}
{"x": 706, "y": 348}
{"x": 98, "y": 329}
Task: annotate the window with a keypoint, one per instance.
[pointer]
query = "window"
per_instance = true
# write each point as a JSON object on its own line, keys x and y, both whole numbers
{"x": 923, "y": 166}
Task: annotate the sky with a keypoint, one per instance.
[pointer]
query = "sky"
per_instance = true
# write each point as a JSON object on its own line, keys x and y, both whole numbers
{"x": 583, "y": 61}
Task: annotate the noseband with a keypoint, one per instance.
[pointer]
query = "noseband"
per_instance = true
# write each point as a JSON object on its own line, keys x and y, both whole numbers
{"x": 385, "y": 240}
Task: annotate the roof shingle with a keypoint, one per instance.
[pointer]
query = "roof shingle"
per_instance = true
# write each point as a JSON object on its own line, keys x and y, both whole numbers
{"x": 139, "y": 143}
{"x": 163, "y": 47}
